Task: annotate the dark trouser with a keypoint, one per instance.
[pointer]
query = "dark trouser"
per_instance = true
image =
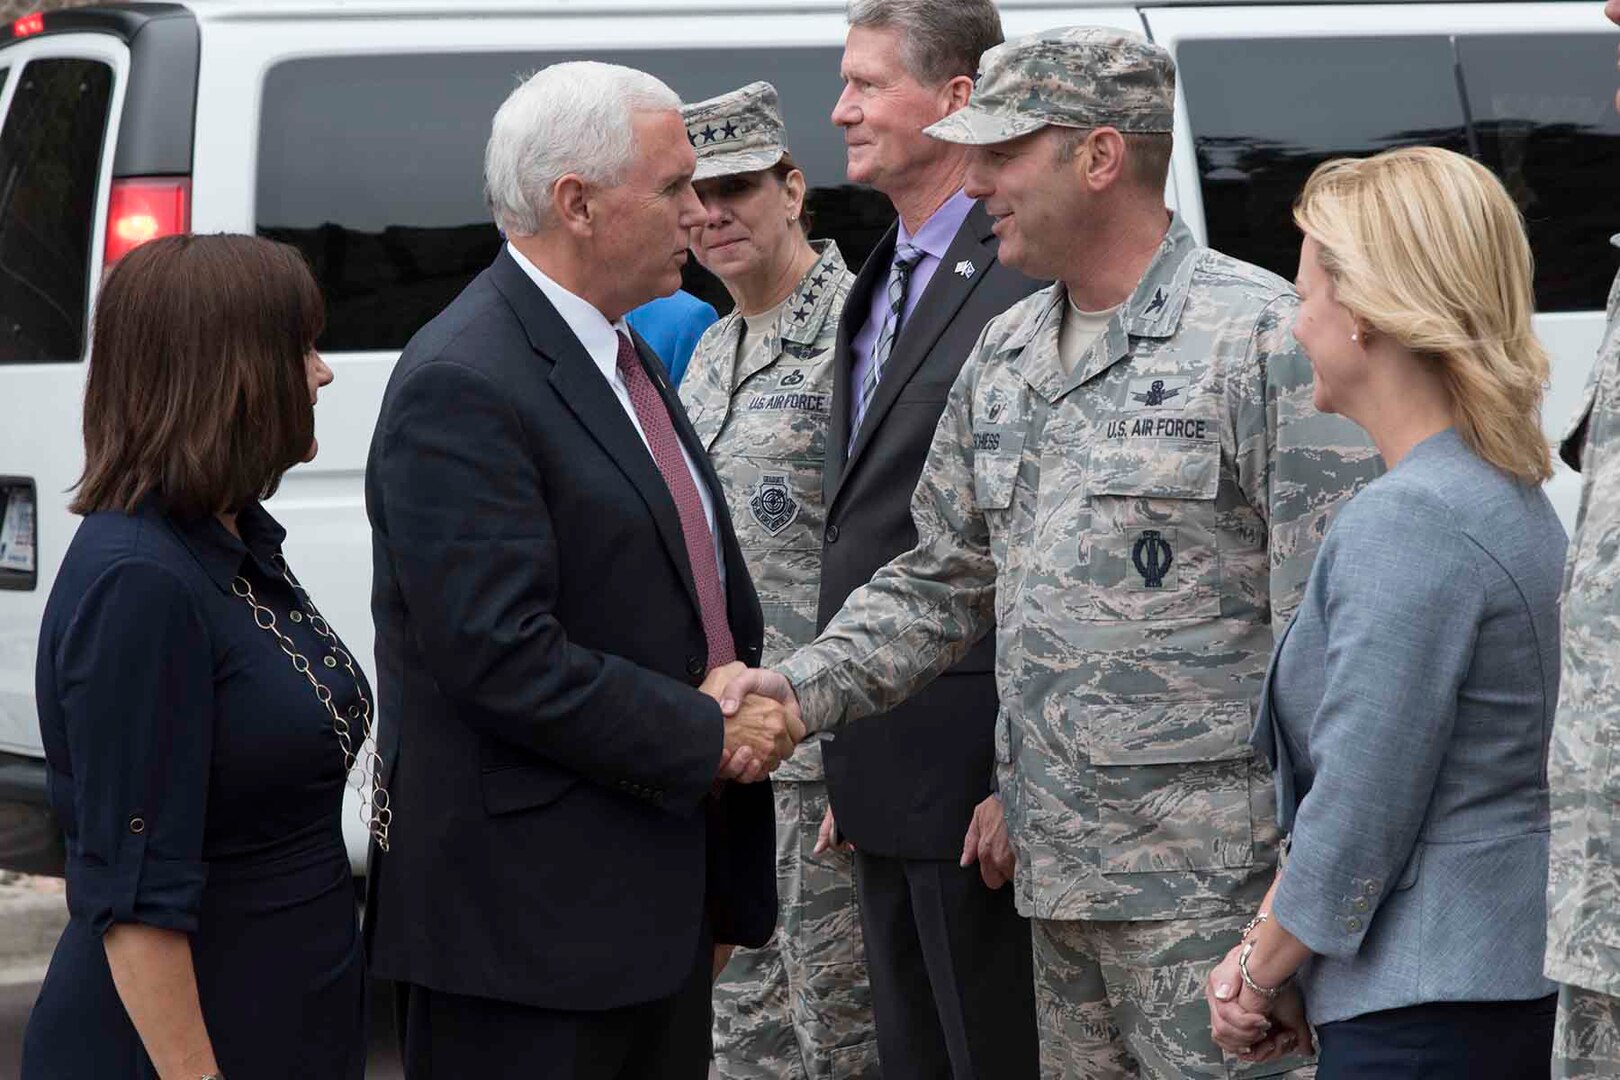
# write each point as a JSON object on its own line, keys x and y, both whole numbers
{"x": 454, "y": 1037}
{"x": 1448, "y": 1040}
{"x": 949, "y": 961}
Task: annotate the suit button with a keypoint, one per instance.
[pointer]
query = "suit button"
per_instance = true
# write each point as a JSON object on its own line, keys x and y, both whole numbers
{"x": 137, "y": 825}
{"x": 1352, "y": 924}
{"x": 831, "y": 535}
{"x": 1373, "y": 885}
{"x": 1360, "y": 904}
{"x": 694, "y": 666}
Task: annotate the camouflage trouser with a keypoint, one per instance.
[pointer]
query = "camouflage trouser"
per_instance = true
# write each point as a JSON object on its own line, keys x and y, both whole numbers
{"x": 800, "y": 1007}
{"x": 1586, "y": 1036}
{"x": 1116, "y": 1000}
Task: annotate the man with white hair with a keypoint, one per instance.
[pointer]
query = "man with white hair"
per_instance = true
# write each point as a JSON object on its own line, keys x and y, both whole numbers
{"x": 558, "y": 594}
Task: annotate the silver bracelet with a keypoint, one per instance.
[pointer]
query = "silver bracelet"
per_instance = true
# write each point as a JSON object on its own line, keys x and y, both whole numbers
{"x": 1249, "y": 927}
{"x": 1269, "y": 994}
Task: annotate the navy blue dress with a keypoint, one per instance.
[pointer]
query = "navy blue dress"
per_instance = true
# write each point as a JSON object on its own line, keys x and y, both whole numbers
{"x": 200, "y": 785}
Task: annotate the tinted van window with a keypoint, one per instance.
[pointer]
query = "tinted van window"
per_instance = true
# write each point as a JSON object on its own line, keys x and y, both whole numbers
{"x": 373, "y": 166}
{"x": 1266, "y": 112}
{"x": 50, "y": 165}
{"x": 1544, "y": 120}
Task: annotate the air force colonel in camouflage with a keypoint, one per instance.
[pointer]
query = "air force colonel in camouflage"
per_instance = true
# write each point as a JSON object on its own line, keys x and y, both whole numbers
{"x": 759, "y": 393}
{"x": 1130, "y": 482}
{"x": 1583, "y": 900}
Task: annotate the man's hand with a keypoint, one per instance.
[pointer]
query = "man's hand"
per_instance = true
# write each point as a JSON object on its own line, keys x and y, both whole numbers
{"x": 987, "y": 844}
{"x": 827, "y": 837}
{"x": 758, "y": 738}
{"x": 713, "y": 684}
{"x": 750, "y": 762}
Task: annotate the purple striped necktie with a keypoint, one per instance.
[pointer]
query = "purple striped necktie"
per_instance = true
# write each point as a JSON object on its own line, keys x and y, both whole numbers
{"x": 906, "y": 259}
{"x": 666, "y": 451}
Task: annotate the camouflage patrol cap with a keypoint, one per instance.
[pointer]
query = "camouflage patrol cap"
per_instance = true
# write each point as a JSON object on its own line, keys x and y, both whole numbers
{"x": 738, "y": 132}
{"x": 1075, "y": 76}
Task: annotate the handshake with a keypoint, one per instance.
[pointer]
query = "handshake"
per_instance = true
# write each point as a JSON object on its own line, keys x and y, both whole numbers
{"x": 761, "y": 717}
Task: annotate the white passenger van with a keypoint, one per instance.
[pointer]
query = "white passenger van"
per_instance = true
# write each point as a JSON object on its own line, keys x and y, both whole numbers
{"x": 354, "y": 130}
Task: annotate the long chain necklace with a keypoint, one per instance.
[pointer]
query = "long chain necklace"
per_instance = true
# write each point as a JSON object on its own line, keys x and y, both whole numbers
{"x": 374, "y": 810}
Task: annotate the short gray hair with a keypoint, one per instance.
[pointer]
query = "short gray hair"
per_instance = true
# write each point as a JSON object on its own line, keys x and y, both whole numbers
{"x": 1147, "y": 153}
{"x": 567, "y": 118}
{"x": 941, "y": 39}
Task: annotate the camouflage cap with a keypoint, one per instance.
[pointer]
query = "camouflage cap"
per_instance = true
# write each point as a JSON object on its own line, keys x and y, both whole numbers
{"x": 1075, "y": 76}
{"x": 739, "y": 132}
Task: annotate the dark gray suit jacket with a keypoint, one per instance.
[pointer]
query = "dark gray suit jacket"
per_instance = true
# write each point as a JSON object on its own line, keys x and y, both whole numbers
{"x": 906, "y": 785}
{"x": 1406, "y": 716}
{"x": 557, "y": 840}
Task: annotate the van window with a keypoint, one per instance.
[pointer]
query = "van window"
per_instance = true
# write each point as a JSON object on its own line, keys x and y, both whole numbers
{"x": 373, "y": 167}
{"x": 50, "y": 165}
{"x": 1544, "y": 119}
{"x": 1265, "y": 112}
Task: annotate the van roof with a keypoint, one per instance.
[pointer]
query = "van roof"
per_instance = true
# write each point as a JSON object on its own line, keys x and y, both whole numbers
{"x": 277, "y": 10}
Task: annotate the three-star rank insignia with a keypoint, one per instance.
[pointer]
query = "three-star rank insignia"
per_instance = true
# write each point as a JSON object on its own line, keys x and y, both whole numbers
{"x": 773, "y": 505}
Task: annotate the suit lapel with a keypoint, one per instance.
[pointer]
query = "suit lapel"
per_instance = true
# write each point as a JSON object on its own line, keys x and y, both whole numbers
{"x": 579, "y": 383}
{"x": 947, "y": 290}
{"x": 856, "y": 307}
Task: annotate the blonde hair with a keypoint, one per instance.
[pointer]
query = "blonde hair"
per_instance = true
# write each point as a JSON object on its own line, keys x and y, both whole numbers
{"x": 1425, "y": 245}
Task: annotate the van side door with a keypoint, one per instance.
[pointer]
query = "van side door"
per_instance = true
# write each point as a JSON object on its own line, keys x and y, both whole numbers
{"x": 58, "y": 121}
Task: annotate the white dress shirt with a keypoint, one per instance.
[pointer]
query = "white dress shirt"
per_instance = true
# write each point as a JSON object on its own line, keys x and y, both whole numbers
{"x": 601, "y": 341}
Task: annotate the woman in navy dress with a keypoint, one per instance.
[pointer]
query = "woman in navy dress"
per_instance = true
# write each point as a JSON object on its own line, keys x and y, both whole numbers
{"x": 198, "y": 716}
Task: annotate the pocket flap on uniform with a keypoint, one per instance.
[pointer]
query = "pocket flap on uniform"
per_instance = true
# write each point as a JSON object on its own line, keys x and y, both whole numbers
{"x": 994, "y": 477}
{"x": 1168, "y": 733}
{"x": 1160, "y": 469}
{"x": 512, "y": 788}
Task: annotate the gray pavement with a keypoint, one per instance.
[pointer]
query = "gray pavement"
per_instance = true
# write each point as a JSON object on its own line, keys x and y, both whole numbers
{"x": 17, "y": 997}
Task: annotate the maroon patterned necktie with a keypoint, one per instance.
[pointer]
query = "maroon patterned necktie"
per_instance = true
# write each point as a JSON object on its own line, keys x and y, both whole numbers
{"x": 666, "y": 452}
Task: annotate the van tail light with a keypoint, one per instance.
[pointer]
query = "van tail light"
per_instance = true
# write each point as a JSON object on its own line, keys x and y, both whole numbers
{"x": 142, "y": 209}
{"x": 29, "y": 25}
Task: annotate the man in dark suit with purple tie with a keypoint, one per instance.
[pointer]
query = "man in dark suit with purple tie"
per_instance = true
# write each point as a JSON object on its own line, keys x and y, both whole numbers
{"x": 948, "y": 953}
{"x": 558, "y": 594}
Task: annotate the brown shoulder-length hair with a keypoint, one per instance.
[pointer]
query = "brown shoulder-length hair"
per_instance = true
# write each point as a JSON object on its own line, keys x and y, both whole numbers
{"x": 197, "y": 391}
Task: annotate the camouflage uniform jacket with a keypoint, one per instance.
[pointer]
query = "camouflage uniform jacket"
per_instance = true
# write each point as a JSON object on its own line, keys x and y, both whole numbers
{"x": 763, "y": 419}
{"x": 1583, "y": 891}
{"x": 1136, "y": 530}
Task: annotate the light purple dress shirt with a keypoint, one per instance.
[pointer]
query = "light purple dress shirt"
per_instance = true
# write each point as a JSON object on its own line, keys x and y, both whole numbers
{"x": 933, "y": 239}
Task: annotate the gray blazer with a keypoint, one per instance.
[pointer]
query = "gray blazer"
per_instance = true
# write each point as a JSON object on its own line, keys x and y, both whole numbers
{"x": 1406, "y": 715}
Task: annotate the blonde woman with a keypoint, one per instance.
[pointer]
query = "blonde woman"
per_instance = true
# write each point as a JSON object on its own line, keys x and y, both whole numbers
{"x": 1408, "y": 706}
